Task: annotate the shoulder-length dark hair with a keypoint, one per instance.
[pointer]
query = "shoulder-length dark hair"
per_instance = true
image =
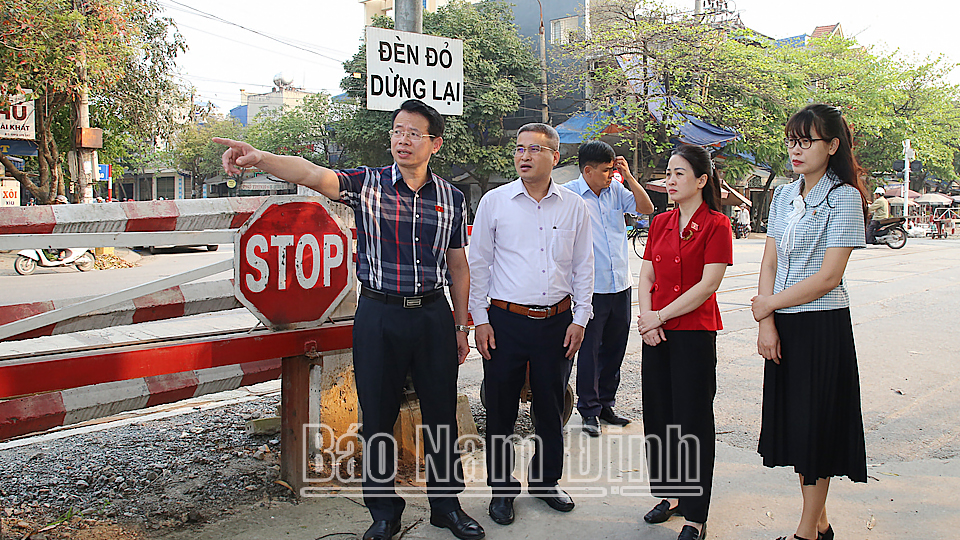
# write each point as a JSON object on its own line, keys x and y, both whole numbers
{"x": 830, "y": 124}
{"x": 699, "y": 159}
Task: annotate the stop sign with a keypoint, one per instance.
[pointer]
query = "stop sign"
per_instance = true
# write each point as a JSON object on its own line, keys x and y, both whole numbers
{"x": 292, "y": 262}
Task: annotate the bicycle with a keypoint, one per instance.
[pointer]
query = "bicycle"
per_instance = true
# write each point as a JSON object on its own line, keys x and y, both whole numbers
{"x": 638, "y": 237}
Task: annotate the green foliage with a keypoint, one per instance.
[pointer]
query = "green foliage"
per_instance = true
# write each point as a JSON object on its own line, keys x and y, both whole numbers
{"x": 732, "y": 77}
{"x": 498, "y": 66}
{"x": 300, "y": 131}
{"x": 120, "y": 50}
{"x": 193, "y": 150}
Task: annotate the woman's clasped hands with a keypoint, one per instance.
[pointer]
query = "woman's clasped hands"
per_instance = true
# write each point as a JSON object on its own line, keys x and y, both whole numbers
{"x": 650, "y": 327}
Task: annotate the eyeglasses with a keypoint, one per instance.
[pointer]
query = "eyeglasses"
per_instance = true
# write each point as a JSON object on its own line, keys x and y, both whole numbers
{"x": 804, "y": 142}
{"x": 533, "y": 149}
{"x": 414, "y": 136}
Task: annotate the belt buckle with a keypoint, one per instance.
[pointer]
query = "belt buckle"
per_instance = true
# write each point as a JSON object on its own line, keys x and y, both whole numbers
{"x": 541, "y": 313}
{"x": 412, "y": 301}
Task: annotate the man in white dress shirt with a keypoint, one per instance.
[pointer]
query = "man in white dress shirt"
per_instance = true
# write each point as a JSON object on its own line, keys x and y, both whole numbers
{"x": 531, "y": 266}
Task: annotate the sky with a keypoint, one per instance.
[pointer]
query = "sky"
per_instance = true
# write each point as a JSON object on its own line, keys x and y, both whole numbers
{"x": 242, "y": 44}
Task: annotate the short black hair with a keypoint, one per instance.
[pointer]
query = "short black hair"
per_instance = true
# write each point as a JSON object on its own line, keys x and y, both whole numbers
{"x": 544, "y": 129}
{"x": 595, "y": 153}
{"x": 434, "y": 119}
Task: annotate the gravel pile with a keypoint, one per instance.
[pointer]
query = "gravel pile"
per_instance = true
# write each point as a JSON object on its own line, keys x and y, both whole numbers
{"x": 153, "y": 475}
{"x": 148, "y": 478}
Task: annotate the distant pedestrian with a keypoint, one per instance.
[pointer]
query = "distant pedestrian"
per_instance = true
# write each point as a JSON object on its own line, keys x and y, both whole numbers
{"x": 811, "y": 386}
{"x": 687, "y": 253}
{"x": 743, "y": 220}
{"x": 605, "y": 338}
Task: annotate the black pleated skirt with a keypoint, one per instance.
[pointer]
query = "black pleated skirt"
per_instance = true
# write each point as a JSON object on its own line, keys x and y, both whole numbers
{"x": 811, "y": 400}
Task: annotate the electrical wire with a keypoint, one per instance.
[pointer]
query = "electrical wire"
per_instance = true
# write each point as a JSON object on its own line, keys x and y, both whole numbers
{"x": 257, "y": 32}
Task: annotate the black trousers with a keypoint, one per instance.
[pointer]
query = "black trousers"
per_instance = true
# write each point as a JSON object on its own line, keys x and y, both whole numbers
{"x": 521, "y": 340}
{"x": 388, "y": 342}
{"x": 872, "y": 231}
{"x": 600, "y": 355}
{"x": 679, "y": 381}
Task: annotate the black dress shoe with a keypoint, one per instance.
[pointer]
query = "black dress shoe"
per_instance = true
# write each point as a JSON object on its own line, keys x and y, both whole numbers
{"x": 501, "y": 510}
{"x": 556, "y": 498}
{"x": 662, "y": 512}
{"x": 826, "y": 535}
{"x": 691, "y": 533}
{"x": 610, "y": 417}
{"x": 591, "y": 426}
{"x": 460, "y": 524}
{"x": 382, "y": 530}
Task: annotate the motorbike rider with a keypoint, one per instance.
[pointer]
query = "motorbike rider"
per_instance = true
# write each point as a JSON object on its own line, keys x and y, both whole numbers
{"x": 878, "y": 209}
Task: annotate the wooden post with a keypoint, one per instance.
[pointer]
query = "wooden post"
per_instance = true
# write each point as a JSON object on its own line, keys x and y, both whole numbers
{"x": 295, "y": 404}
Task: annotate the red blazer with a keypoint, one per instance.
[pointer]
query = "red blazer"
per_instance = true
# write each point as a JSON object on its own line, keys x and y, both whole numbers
{"x": 678, "y": 264}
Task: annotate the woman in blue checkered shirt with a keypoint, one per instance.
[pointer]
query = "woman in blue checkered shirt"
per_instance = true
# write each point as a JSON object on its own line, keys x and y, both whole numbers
{"x": 811, "y": 386}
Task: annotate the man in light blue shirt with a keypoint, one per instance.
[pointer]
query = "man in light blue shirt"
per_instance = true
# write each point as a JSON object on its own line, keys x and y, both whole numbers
{"x": 605, "y": 338}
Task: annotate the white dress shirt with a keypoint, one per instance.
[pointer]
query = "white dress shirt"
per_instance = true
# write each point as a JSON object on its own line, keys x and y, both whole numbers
{"x": 531, "y": 253}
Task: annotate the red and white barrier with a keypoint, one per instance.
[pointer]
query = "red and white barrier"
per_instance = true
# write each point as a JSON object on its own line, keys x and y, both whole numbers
{"x": 186, "y": 299}
{"x": 45, "y": 411}
{"x": 173, "y": 215}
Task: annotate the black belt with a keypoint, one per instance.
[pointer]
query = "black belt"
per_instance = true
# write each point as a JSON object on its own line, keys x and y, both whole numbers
{"x": 405, "y": 301}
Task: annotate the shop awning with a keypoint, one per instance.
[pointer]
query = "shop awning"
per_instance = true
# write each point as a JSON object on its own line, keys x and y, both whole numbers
{"x": 577, "y": 126}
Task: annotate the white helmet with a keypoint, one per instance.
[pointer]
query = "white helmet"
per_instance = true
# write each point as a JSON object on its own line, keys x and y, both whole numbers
{"x": 879, "y": 191}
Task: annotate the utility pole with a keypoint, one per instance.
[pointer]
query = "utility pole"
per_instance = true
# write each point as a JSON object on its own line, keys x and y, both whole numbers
{"x": 86, "y": 140}
{"x": 408, "y": 15}
{"x": 544, "y": 107}
{"x": 908, "y": 155}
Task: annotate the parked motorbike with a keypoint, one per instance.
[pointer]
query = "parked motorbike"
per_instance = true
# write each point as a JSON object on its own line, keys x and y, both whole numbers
{"x": 891, "y": 233}
{"x": 28, "y": 259}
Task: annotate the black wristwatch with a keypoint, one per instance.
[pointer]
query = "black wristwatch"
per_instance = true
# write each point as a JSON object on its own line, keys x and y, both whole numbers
{"x": 463, "y": 328}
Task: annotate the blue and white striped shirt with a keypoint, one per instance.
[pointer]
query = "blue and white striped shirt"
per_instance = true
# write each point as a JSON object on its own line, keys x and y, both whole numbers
{"x": 833, "y": 217}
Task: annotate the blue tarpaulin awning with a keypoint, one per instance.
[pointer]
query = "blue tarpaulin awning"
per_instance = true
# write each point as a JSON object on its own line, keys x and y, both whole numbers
{"x": 573, "y": 130}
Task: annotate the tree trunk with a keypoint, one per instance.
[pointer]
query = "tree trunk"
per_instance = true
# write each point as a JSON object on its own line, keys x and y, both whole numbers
{"x": 50, "y": 178}
{"x": 758, "y": 209}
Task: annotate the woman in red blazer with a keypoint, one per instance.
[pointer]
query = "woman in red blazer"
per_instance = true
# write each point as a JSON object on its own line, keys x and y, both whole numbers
{"x": 687, "y": 253}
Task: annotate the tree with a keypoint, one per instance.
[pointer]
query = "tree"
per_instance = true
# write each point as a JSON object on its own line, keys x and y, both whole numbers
{"x": 193, "y": 150}
{"x": 119, "y": 49}
{"x": 644, "y": 56}
{"x": 497, "y": 64}
{"x": 300, "y": 131}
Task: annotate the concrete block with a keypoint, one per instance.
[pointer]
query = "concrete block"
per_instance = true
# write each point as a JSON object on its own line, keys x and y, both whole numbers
{"x": 410, "y": 418}
{"x": 264, "y": 426}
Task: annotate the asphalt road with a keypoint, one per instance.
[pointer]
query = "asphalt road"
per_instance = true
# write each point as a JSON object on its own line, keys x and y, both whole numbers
{"x": 68, "y": 282}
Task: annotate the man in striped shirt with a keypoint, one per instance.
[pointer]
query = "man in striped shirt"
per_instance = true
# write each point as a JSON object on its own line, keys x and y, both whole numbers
{"x": 410, "y": 244}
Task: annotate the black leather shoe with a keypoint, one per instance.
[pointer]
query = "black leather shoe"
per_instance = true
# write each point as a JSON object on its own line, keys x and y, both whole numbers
{"x": 460, "y": 524}
{"x": 591, "y": 426}
{"x": 382, "y": 530}
{"x": 556, "y": 498}
{"x": 610, "y": 417}
{"x": 826, "y": 535}
{"x": 501, "y": 510}
{"x": 662, "y": 512}
{"x": 690, "y": 533}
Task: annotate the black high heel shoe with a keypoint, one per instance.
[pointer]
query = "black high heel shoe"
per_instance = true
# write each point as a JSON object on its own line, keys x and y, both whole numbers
{"x": 826, "y": 535}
